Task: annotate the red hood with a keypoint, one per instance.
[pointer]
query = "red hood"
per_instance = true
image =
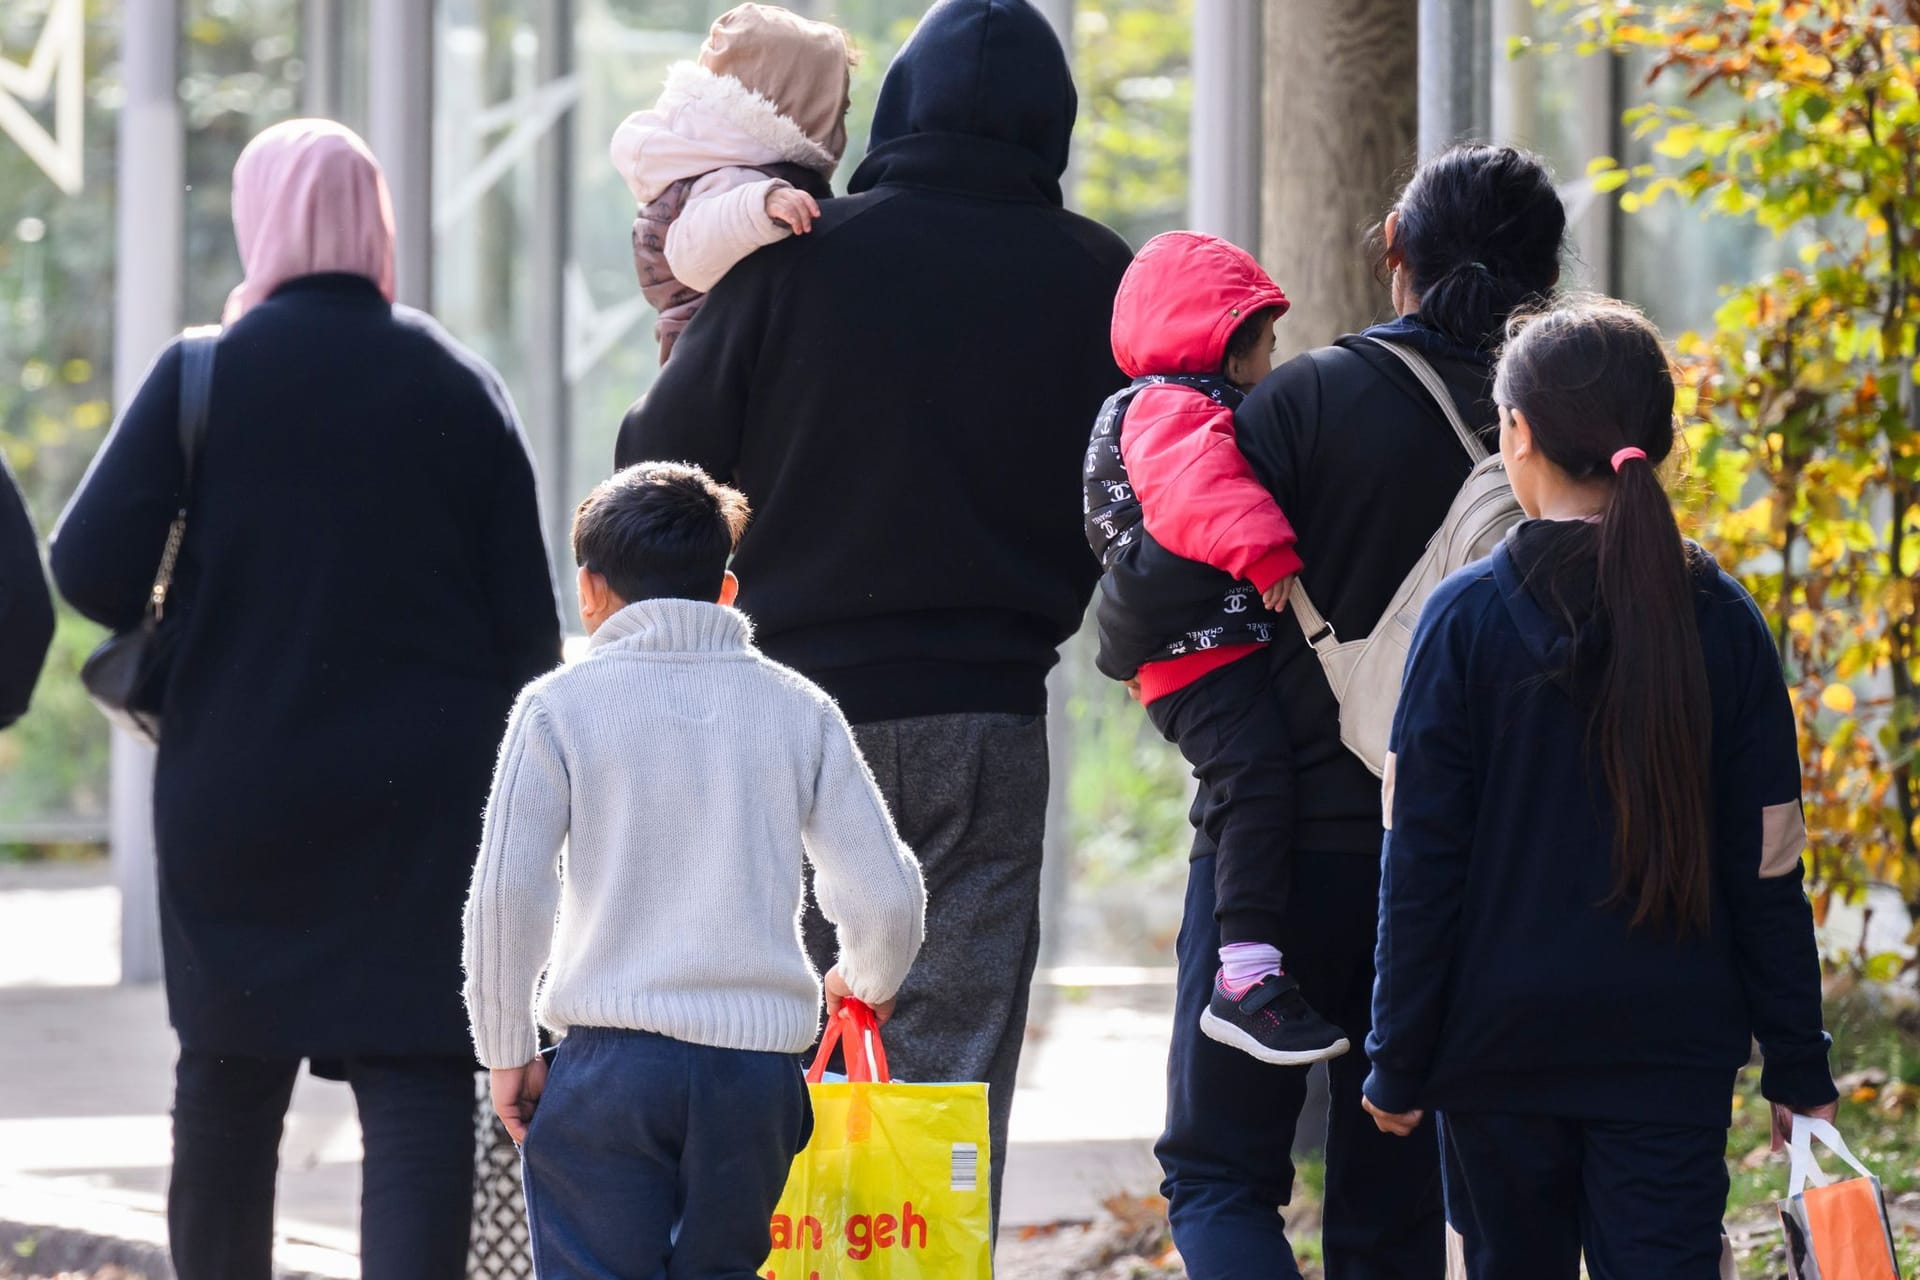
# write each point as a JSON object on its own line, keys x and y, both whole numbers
{"x": 1182, "y": 299}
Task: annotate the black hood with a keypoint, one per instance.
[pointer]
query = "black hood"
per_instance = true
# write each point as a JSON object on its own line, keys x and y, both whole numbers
{"x": 979, "y": 98}
{"x": 1549, "y": 575}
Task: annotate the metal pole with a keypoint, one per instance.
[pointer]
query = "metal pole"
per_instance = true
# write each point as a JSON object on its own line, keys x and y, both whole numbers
{"x": 1224, "y": 133}
{"x": 549, "y": 409}
{"x": 320, "y": 51}
{"x": 1455, "y": 76}
{"x": 149, "y": 243}
{"x": 400, "y": 130}
{"x": 1060, "y": 14}
{"x": 1514, "y": 102}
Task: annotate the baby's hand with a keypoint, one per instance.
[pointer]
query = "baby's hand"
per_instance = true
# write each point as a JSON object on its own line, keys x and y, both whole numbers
{"x": 795, "y": 208}
{"x": 1275, "y": 596}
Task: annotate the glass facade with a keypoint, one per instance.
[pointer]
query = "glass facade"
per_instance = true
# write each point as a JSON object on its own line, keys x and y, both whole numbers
{"x": 532, "y": 266}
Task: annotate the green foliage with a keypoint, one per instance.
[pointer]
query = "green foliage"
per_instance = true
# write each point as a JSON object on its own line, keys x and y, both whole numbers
{"x": 1132, "y": 64}
{"x": 1807, "y": 441}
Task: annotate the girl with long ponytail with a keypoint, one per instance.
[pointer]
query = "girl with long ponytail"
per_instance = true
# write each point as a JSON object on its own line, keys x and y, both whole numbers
{"x": 1591, "y": 901}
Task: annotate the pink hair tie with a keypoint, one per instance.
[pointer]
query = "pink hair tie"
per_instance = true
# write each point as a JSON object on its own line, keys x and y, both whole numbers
{"x": 1620, "y": 458}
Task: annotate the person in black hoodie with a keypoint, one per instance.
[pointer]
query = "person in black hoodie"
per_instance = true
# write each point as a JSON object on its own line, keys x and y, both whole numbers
{"x": 903, "y": 395}
{"x": 1592, "y": 900}
{"x": 26, "y": 607}
{"x": 1364, "y": 464}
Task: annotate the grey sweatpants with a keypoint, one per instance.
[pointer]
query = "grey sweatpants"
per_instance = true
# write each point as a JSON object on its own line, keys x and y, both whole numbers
{"x": 969, "y": 794}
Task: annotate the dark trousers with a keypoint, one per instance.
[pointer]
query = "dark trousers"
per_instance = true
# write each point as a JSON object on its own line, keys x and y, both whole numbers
{"x": 416, "y": 1190}
{"x": 1231, "y": 1118}
{"x": 1229, "y": 727}
{"x": 969, "y": 794}
{"x": 1529, "y": 1194}
{"x": 649, "y": 1157}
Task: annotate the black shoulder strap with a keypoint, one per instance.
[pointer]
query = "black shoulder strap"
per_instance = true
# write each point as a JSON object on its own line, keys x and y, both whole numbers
{"x": 196, "y": 392}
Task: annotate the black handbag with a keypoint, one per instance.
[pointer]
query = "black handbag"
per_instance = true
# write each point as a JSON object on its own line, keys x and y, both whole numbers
{"x": 127, "y": 675}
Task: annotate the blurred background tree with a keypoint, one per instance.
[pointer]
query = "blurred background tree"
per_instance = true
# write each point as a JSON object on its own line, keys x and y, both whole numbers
{"x": 1801, "y": 116}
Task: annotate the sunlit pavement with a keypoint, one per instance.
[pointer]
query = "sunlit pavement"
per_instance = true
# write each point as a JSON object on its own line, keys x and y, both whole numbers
{"x": 86, "y": 1069}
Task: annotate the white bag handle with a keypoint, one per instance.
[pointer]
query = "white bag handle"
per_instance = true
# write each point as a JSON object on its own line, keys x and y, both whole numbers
{"x": 1802, "y": 1167}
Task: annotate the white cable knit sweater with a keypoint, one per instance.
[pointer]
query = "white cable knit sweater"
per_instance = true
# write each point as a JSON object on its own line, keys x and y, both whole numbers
{"x": 687, "y": 776}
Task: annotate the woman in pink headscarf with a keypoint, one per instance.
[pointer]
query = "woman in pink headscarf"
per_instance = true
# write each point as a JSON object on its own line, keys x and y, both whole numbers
{"x": 362, "y": 590}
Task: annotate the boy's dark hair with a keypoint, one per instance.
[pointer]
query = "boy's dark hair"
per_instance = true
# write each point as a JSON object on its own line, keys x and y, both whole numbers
{"x": 659, "y": 530}
{"x": 1243, "y": 339}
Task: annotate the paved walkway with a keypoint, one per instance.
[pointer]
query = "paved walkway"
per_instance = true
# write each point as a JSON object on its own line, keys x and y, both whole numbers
{"x": 85, "y": 1074}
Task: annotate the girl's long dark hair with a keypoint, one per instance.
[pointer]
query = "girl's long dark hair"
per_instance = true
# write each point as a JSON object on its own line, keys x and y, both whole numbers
{"x": 1480, "y": 233}
{"x": 1593, "y": 378}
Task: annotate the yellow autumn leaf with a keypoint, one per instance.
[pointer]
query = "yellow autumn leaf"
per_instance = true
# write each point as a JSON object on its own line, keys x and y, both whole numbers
{"x": 1837, "y": 697}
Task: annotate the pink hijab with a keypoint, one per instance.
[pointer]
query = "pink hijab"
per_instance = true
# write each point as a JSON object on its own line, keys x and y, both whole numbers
{"x": 308, "y": 196}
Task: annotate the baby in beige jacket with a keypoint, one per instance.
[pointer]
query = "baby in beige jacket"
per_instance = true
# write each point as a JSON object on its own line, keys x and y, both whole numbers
{"x": 735, "y": 155}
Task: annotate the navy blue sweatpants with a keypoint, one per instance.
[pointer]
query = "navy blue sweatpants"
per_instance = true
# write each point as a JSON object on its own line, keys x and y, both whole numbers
{"x": 655, "y": 1159}
{"x": 1227, "y": 1149}
{"x": 1529, "y": 1194}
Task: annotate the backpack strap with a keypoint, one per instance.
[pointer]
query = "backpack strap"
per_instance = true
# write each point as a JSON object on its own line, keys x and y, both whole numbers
{"x": 1430, "y": 378}
{"x": 1319, "y": 632}
{"x": 1313, "y": 624}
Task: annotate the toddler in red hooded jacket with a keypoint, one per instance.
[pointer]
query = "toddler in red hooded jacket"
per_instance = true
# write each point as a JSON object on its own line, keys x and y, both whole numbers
{"x": 1198, "y": 559}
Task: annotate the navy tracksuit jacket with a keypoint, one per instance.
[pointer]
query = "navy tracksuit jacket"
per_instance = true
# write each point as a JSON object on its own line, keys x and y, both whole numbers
{"x": 1505, "y": 988}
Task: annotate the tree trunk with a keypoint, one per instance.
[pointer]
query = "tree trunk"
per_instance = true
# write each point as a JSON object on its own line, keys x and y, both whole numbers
{"x": 1339, "y": 140}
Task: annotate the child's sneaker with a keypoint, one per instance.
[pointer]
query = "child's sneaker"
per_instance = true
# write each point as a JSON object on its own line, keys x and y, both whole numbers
{"x": 1273, "y": 1022}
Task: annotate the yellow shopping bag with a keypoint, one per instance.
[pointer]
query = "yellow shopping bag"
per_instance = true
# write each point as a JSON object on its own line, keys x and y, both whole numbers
{"x": 893, "y": 1183}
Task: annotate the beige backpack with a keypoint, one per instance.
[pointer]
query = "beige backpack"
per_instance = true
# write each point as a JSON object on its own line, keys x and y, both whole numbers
{"x": 1365, "y": 674}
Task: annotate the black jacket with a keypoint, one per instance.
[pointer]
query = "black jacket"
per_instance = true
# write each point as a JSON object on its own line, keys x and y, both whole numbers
{"x": 1504, "y": 984}
{"x": 903, "y": 393}
{"x": 1364, "y": 464}
{"x": 363, "y": 589}
{"x": 26, "y": 608}
{"x": 1155, "y": 605}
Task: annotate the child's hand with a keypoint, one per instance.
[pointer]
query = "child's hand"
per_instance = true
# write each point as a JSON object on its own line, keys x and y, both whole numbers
{"x": 1275, "y": 596}
{"x": 795, "y": 208}
{"x": 838, "y": 993}
{"x": 1399, "y": 1124}
{"x": 516, "y": 1092}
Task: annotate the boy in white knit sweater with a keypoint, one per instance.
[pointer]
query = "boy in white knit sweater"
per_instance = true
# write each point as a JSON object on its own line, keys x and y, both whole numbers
{"x": 643, "y": 847}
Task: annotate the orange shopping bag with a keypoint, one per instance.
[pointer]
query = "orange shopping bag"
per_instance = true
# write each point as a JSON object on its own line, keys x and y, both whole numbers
{"x": 1835, "y": 1230}
{"x": 893, "y": 1183}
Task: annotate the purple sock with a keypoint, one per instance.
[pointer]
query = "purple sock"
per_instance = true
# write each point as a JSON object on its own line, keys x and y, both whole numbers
{"x": 1244, "y": 964}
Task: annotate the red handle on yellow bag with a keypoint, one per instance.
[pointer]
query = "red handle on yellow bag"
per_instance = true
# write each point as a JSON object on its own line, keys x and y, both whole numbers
{"x": 856, "y": 1031}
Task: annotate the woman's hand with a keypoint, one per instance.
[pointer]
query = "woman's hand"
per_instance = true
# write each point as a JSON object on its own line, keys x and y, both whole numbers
{"x": 1399, "y": 1124}
{"x": 1783, "y": 1121}
{"x": 516, "y": 1092}
{"x": 838, "y": 993}
{"x": 1275, "y": 596}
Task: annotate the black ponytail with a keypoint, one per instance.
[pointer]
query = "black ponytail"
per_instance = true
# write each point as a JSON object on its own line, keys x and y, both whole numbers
{"x": 1596, "y": 387}
{"x": 1480, "y": 232}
